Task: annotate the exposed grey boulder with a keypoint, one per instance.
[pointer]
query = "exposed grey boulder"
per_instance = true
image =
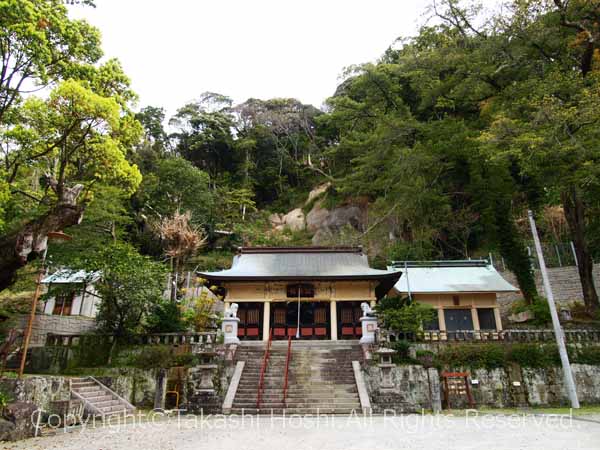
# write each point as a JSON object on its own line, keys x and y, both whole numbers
{"x": 316, "y": 217}
{"x": 22, "y": 415}
{"x": 346, "y": 215}
{"x": 6, "y": 429}
{"x": 294, "y": 220}
{"x": 323, "y": 236}
{"x": 276, "y": 220}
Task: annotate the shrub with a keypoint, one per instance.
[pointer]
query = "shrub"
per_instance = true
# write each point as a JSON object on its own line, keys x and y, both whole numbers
{"x": 403, "y": 352}
{"x": 200, "y": 315}
{"x": 92, "y": 351}
{"x": 539, "y": 307}
{"x": 426, "y": 358}
{"x": 401, "y": 314}
{"x": 588, "y": 355}
{"x": 153, "y": 357}
{"x": 533, "y": 355}
{"x": 165, "y": 317}
{"x": 185, "y": 359}
{"x": 5, "y": 399}
{"x": 580, "y": 312}
{"x": 487, "y": 356}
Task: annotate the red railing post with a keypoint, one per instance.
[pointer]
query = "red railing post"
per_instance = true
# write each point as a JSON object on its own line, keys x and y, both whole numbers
{"x": 263, "y": 369}
{"x": 287, "y": 368}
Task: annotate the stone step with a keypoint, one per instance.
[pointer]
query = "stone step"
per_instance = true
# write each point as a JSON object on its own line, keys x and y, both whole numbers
{"x": 321, "y": 379}
{"x": 303, "y": 386}
{"x": 289, "y": 408}
{"x": 298, "y": 398}
{"x": 94, "y": 387}
{"x": 299, "y": 411}
{"x": 295, "y": 400}
{"x": 91, "y": 394}
{"x": 115, "y": 408}
{"x": 82, "y": 384}
{"x": 99, "y": 398}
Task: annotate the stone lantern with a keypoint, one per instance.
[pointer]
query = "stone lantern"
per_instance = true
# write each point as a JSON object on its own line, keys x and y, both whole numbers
{"x": 385, "y": 366}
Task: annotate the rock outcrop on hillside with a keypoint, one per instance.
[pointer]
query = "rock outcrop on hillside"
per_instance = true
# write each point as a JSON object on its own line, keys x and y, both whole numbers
{"x": 322, "y": 222}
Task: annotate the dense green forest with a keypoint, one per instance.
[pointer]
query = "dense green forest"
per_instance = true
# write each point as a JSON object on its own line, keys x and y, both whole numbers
{"x": 442, "y": 145}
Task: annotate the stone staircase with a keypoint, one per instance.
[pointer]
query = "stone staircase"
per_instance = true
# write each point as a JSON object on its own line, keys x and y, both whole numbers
{"x": 321, "y": 378}
{"x": 98, "y": 399}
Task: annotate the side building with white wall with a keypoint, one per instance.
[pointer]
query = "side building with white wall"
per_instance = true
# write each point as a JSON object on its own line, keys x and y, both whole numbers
{"x": 464, "y": 293}
{"x": 75, "y": 294}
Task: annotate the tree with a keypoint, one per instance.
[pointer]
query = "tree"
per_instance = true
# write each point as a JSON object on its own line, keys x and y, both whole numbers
{"x": 106, "y": 221}
{"x": 74, "y": 139}
{"x": 180, "y": 241}
{"x": 204, "y": 135}
{"x": 175, "y": 185}
{"x": 39, "y": 45}
{"x": 292, "y": 129}
{"x": 130, "y": 286}
{"x": 546, "y": 121}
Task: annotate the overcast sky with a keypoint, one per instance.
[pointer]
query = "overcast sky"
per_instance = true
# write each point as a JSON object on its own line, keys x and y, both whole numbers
{"x": 173, "y": 50}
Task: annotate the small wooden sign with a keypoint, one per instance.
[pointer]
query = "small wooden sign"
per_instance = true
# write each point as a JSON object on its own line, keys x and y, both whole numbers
{"x": 456, "y": 385}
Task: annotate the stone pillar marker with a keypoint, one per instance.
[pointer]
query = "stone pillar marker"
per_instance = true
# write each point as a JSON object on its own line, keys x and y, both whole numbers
{"x": 161, "y": 389}
{"x": 435, "y": 389}
{"x": 230, "y": 325}
{"x": 369, "y": 324}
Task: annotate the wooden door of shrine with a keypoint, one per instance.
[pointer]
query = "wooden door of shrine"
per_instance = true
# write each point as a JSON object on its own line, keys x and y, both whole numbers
{"x": 314, "y": 320}
{"x": 349, "y": 314}
{"x": 250, "y": 315}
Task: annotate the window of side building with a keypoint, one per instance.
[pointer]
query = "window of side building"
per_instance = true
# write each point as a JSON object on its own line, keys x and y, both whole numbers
{"x": 487, "y": 319}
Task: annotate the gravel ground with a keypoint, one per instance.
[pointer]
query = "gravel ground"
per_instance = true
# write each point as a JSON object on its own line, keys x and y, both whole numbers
{"x": 348, "y": 433}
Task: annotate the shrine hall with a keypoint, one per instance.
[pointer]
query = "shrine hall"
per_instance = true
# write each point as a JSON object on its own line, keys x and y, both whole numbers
{"x": 306, "y": 292}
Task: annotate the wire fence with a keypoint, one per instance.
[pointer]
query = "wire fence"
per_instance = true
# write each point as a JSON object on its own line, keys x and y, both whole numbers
{"x": 558, "y": 254}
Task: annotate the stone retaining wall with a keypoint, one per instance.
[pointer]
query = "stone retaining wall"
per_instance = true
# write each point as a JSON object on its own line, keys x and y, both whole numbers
{"x": 135, "y": 385}
{"x": 40, "y": 390}
{"x": 44, "y": 324}
{"x": 565, "y": 283}
{"x": 499, "y": 388}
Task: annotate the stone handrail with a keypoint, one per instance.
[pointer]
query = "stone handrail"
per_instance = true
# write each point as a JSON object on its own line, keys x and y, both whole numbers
{"x": 526, "y": 335}
{"x": 205, "y": 338}
{"x": 110, "y": 391}
{"x": 86, "y": 402}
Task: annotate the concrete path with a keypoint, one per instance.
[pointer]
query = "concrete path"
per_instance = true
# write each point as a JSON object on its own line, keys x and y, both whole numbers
{"x": 327, "y": 433}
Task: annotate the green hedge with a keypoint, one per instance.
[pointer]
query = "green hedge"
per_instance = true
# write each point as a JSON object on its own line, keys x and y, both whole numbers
{"x": 485, "y": 356}
{"x": 588, "y": 355}
{"x": 493, "y": 356}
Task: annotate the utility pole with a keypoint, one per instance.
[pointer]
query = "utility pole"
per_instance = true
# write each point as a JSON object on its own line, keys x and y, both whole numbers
{"x": 558, "y": 332}
{"x": 34, "y": 302}
{"x": 52, "y": 235}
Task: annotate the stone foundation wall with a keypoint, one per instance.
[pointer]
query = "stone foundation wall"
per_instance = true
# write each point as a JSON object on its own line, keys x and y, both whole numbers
{"x": 45, "y": 324}
{"x": 565, "y": 283}
{"x": 499, "y": 388}
{"x": 40, "y": 390}
{"x": 137, "y": 386}
{"x": 411, "y": 391}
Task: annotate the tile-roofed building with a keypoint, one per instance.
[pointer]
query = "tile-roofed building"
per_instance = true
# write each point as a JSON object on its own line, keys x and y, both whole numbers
{"x": 323, "y": 285}
{"x": 464, "y": 293}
